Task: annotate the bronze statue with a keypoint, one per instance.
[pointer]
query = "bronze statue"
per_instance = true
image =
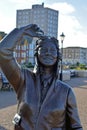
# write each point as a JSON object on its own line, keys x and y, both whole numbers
{"x": 44, "y": 102}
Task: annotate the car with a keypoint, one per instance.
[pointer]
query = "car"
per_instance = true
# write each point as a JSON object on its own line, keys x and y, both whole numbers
{"x": 4, "y": 82}
{"x": 72, "y": 73}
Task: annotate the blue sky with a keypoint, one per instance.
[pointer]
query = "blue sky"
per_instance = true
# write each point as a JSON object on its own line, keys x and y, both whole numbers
{"x": 72, "y": 18}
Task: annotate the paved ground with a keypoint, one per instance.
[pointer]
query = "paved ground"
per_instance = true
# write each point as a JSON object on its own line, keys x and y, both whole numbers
{"x": 8, "y": 104}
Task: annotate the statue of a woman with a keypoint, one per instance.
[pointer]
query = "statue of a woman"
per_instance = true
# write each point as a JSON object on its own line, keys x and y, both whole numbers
{"x": 44, "y": 102}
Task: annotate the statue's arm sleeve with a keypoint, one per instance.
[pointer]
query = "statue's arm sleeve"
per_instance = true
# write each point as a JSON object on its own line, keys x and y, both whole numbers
{"x": 8, "y": 63}
{"x": 73, "y": 121}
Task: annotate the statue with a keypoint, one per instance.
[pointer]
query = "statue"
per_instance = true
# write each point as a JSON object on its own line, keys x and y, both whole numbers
{"x": 44, "y": 102}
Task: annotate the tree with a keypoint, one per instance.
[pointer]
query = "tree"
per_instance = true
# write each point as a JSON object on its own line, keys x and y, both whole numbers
{"x": 2, "y": 34}
{"x": 27, "y": 65}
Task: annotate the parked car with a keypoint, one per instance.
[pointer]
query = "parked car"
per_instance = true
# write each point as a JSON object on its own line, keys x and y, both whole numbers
{"x": 4, "y": 82}
{"x": 72, "y": 73}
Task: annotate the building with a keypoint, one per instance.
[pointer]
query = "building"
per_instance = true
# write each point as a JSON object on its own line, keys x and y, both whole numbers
{"x": 22, "y": 53}
{"x": 45, "y": 18}
{"x": 74, "y": 55}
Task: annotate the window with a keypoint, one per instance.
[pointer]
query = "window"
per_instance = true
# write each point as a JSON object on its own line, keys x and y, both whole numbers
{"x": 23, "y": 54}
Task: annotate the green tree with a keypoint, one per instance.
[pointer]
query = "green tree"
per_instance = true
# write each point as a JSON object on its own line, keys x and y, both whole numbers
{"x": 27, "y": 65}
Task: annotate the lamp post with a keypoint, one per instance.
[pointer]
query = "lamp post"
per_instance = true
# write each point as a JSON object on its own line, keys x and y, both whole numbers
{"x": 62, "y": 36}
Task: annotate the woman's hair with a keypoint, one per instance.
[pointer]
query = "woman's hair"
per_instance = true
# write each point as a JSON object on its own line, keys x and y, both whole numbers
{"x": 42, "y": 40}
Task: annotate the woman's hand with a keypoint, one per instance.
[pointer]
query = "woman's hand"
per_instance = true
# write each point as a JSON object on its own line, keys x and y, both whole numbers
{"x": 31, "y": 30}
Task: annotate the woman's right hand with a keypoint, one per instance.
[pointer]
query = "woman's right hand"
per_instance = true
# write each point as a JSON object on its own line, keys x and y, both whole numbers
{"x": 31, "y": 30}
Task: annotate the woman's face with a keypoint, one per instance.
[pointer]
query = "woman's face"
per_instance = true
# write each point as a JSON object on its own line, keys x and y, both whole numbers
{"x": 47, "y": 54}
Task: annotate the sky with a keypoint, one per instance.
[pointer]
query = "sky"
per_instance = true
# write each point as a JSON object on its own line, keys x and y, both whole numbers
{"x": 72, "y": 18}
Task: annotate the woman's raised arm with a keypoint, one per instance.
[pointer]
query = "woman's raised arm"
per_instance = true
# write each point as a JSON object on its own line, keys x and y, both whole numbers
{"x": 8, "y": 63}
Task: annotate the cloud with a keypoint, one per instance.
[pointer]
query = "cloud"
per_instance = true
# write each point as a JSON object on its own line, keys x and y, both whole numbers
{"x": 7, "y": 23}
{"x": 67, "y": 20}
{"x": 69, "y": 24}
{"x": 22, "y": 1}
{"x": 64, "y": 8}
{"x": 25, "y": 3}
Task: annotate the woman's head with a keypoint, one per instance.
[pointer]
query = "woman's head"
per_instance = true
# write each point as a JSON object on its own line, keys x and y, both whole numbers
{"x": 47, "y": 52}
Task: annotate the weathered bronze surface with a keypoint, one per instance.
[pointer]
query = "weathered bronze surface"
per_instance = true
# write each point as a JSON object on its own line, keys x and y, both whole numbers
{"x": 44, "y": 102}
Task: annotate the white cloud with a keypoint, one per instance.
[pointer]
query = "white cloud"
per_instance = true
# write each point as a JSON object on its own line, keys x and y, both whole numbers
{"x": 8, "y": 12}
{"x": 25, "y": 3}
{"x": 64, "y": 8}
{"x": 69, "y": 24}
{"x": 5, "y": 24}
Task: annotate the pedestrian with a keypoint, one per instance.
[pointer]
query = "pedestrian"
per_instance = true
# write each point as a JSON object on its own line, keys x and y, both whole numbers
{"x": 44, "y": 102}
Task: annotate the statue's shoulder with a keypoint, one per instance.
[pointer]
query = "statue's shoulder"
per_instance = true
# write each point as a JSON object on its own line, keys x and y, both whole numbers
{"x": 62, "y": 85}
{"x": 28, "y": 72}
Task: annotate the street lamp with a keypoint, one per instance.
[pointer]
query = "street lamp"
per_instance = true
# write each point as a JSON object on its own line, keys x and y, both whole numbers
{"x": 62, "y": 36}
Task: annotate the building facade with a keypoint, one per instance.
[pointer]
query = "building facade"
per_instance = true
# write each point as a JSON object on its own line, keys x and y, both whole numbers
{"x": 45, "y": 18}
{"x": 22, "y": 53}
{"x": 74, "y": 55}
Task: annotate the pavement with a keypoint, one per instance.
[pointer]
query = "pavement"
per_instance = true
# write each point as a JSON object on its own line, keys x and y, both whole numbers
{"x": 8, "y": 103}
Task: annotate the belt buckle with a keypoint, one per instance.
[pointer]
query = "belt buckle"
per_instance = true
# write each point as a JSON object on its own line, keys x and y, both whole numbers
{"x": 17, "y": 119}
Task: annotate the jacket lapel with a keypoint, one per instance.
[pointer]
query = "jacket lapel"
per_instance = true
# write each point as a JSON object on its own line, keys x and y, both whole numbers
{"x": 38, "y": 91}
{"x": 50, "y": 92}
